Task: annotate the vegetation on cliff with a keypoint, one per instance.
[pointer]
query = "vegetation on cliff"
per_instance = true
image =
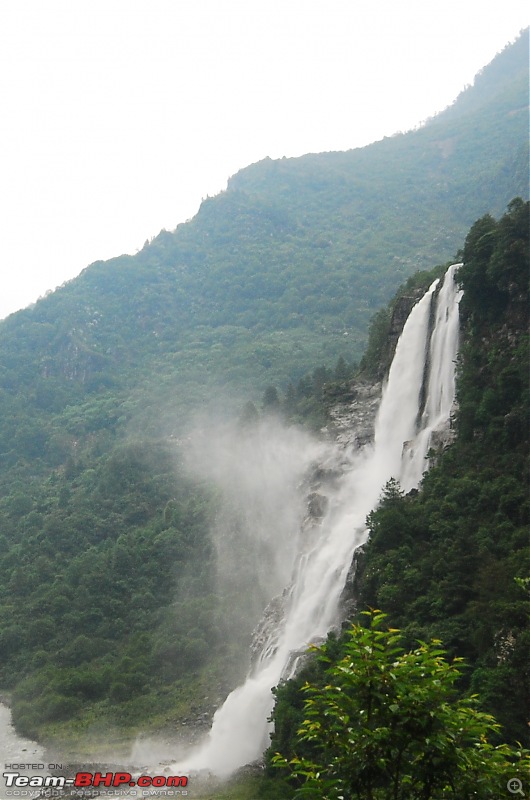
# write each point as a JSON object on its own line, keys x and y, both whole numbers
{"x": 452, "y": 561}
{"x": 277, "y": 275}
{"x": 108, "y": 609}
{"x": 389, "y": 724}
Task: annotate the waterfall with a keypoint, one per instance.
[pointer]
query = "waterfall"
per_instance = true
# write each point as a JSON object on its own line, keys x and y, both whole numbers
{"x": 443, "y": 350}
{"x": 416, "y": 401}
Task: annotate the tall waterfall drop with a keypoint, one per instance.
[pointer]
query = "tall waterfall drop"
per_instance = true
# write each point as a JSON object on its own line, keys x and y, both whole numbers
{"x": 416, "y": 401}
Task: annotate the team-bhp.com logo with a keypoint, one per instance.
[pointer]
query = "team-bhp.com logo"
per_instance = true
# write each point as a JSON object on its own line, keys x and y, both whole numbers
{"x": 94, "y": 780}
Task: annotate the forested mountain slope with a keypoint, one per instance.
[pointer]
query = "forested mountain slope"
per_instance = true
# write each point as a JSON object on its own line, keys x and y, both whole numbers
{"x": 273, "y": 277}
{"x": 107, "y": 603}
{"x": 109, "y": 609}
{"x": 452, "y": 561}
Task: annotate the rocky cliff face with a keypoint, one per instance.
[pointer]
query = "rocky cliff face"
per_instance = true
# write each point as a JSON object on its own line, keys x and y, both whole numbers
{"x": 341, "y": 488}
{"x": 400, "y": 313}
{"x": 352, "y": 422}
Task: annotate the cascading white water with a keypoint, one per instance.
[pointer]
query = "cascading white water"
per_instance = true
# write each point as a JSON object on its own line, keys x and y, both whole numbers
{"x": 441, "y": 383}
{"x": 422, "y": 368}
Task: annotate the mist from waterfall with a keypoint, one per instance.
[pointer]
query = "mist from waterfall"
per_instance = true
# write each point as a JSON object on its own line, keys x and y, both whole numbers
{"x": 416, "y": 400}
{"x": 258, "y": 471}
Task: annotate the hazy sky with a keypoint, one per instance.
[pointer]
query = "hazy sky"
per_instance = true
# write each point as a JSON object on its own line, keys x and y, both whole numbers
{"x": 119, "y": 116}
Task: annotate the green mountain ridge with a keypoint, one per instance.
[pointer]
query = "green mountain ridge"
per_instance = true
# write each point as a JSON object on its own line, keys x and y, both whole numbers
{"x": 108, "y": 608}
{"x": 284, "y": 270}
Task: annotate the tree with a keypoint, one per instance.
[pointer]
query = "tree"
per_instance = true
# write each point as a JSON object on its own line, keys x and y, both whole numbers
{"x": 249, "y": 415}
{"x": 387, "y": 724}
{"x": 271, "y": 400}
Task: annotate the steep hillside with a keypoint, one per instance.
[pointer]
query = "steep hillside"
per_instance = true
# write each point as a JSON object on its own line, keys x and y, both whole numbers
{"x": 278, "y": 274}
{"x": 451, "y": 562}
{"x": 108, "y": 608}
{"x": 445, "y": 563}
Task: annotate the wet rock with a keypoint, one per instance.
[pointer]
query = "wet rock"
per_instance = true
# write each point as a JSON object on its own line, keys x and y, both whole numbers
{"x": 266, "y": 633}
{"x": 352, "y": 424}
{"x": 317, "y": 505}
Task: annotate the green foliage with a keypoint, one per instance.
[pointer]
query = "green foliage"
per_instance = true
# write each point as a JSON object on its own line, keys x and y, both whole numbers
{"x": 496, "y": 261}
{"x": 279, "y": 273}
{"x": 101, "y": 564}
{"x": 451, "y": 562}
{"x": 316, "y": 393}
{"x": 107, "y": 599}
{"x": 382, "y": 335}
{"x": 388, "y": 723}
{"x": 444, "y": 562}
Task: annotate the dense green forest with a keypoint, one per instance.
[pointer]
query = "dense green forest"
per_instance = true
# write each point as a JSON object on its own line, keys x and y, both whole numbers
{"x": 452, "y": 561}
{"x": 272, "y": 278}
{"x": 110, "y": 616}
{"x": 388, "y": 723}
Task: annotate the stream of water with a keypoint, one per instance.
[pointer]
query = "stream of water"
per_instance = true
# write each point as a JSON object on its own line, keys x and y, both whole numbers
{"x": 416, "y": 401}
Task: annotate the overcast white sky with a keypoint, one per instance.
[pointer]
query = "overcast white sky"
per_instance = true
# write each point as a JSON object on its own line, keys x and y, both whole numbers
{"x": 119, "y": 116}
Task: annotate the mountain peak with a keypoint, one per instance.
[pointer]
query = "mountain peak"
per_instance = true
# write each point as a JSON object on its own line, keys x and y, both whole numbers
{"x": 500, "y": 81}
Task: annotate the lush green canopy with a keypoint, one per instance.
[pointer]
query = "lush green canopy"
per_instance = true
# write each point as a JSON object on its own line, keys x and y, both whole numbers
{"x": 388, "y": 724}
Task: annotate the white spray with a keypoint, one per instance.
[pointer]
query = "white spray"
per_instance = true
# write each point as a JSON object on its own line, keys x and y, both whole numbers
{"x": 423, "y": 367}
